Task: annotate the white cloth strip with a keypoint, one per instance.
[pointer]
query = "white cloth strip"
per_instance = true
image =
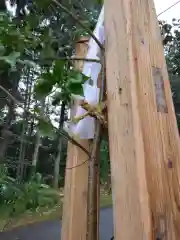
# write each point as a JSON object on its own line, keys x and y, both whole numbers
{"x": 85, "y": 128}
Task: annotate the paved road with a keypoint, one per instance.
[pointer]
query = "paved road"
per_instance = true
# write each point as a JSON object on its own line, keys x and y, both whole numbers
{"x": 50, "y": 230}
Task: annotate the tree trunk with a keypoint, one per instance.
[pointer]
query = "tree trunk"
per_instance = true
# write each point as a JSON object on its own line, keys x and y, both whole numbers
{"x": 20, "y": 169}
{"x": 6, "y": 133}
{"x": 36, "y": 153}
{"x": 60, "y": 144}
{"x": 38, "y": 143}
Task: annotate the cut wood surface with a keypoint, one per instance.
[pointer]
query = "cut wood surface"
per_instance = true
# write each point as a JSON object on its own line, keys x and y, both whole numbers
{"x": 160, "y": 132}
{"x": 143, "y": 134}
{"x": 74, "y": 221}
{"x": 125, "y": 139}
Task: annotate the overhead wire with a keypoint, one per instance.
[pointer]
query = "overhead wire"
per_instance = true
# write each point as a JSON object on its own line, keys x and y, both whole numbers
{"x": 167, "y": 9}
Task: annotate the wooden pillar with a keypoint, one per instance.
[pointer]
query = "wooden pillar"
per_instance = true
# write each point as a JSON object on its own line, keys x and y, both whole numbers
{"x": 129, "y": 188}
{"x": 74, "y": 222}
{"x": 161, "y": 137}
{"x": 143, "y": 134}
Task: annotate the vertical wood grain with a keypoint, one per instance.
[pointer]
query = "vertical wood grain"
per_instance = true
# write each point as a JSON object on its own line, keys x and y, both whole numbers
{"x": 132, "y": 217}
{"x": 168, "y": 129}
{"x": 74, "y": 222}
{"x": 160, "y": 133}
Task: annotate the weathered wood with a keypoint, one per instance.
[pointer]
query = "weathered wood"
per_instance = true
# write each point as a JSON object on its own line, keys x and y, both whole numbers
{"x": 74, "y": 222}
{"x": 168, "y": 131}
{"x": 129, "y": 188}
{"x": 161, "y": 136}
{"x": 143, "y": 133}
{"x": 76, "y": 183}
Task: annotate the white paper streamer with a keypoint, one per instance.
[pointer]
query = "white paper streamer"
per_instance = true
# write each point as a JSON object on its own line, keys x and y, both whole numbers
{"x": 85, "y": 128}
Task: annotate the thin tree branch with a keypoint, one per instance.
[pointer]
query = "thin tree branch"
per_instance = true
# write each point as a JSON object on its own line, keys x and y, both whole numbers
{"x": 67, "y": 137}
{"x": 79, "y": 22}
{"x": 73, "y": 59}
{"x": 78, "y": 165}
{"x": 61, "y": 58}
{"x": 11, "y": 96}
{"x": 72, "y": 140}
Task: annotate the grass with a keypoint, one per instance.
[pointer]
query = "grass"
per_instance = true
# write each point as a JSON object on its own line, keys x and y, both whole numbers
{"x": 106, "y": 200}
{"x": 44, "y": 214}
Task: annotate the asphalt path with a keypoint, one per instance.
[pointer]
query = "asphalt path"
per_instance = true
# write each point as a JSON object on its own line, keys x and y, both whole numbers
{"x": 50, "y": 230}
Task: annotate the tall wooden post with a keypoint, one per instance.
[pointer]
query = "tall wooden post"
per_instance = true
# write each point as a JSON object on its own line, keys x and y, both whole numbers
{"x": 129, "y": 189}
{"x": 74, "y": 222}
{"x": 161, "y": 138}
{"x": 143, "y": 134}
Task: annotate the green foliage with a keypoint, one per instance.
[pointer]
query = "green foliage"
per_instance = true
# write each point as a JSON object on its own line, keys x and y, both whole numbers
{"x": 99, "y": 1}
{"x": 46, "y": 128}
{"x": 68, "y": 81}
{"x": 171, "y": 40}
{"x": 14, "y": 41}
{"x": 44, "y": 86}
{"x": 11, "y": 59}
{"x": 104, "y": 164}
{"x": 175, "y": 87}
{"x": 37, "y": 41}
{"x": 166, "y": 32}
{"x": 16, "y": 198}
{"x": 75, "y": 81}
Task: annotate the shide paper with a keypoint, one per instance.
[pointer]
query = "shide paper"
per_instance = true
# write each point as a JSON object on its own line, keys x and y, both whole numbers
{"x": 85, "y": 128}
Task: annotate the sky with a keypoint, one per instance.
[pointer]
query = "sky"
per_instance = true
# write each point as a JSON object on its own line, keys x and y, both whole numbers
{"x": 174, "y": 12}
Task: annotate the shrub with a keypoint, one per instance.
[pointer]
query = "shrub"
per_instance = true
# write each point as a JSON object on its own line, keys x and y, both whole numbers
{"x": 16, "y": 197}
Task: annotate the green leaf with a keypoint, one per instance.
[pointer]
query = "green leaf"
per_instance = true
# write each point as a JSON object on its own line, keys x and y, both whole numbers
{"x": 47, "y": 52}
{"x": 75, "y": 81}
{"x": 98, "y": 2}
{"x": 43, "y": 88}
{"x": 79, "y": 32}
{"x": 43, "y": 4}
{"x": 46, "y": 128}
{"x": 11, "y": 59}
{"x": 49, "y": 77}
{"x": 32, "y": 21}
{"x": 57, "y": 98}
{"x": 2, "y": 49}
{"x": 78, "y": 76}
{"x": 85, "y": 78}
{"x": 29, "y": 63}
{"x": 37, "y": 110}
{"x": 75, "y": 87}
{"x": 60, "y": 96}
{"x": 58, "y": 71}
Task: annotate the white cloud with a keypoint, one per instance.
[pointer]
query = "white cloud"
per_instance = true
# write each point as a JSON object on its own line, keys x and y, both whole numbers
{"x": 174, "y": 12}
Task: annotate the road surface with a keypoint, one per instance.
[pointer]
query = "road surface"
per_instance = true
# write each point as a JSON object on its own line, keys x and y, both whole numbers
{"x": 50, "y": 230}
